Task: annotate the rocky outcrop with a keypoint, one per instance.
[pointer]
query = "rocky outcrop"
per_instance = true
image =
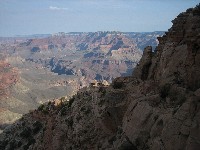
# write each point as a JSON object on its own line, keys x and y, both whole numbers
{"x": 155, "y": 108}
{"x": 168, "y": 117}
{"x": 181, "y": 43}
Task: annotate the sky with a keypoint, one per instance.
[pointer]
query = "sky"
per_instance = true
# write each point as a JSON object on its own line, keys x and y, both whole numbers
{"x": 26, "y": 17}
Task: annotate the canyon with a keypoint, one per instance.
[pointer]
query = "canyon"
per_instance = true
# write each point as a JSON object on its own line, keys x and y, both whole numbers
{"x": 39, "y": 68}
{"x": 156, "y": 107}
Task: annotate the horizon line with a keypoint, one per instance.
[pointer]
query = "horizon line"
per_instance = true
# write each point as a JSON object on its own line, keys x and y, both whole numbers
{"x": 40, "y": 34}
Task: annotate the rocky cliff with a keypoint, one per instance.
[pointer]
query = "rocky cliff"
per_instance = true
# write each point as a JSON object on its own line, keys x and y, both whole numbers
{"x": 158, "y": 107}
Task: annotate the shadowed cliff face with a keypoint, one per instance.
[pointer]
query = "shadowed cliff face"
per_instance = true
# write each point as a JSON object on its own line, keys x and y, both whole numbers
{"x": 157, "y": 107}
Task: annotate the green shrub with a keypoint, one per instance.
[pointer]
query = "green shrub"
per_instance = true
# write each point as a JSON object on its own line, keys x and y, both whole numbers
{"x": 49, "y": 103}
{"x": 45, "y": 110}
{"x": 41, "y": 107}
{"x": 62, "y": 99}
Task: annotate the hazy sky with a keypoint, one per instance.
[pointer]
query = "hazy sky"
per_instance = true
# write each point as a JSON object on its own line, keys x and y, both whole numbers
{"x": 23, "y": 17}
